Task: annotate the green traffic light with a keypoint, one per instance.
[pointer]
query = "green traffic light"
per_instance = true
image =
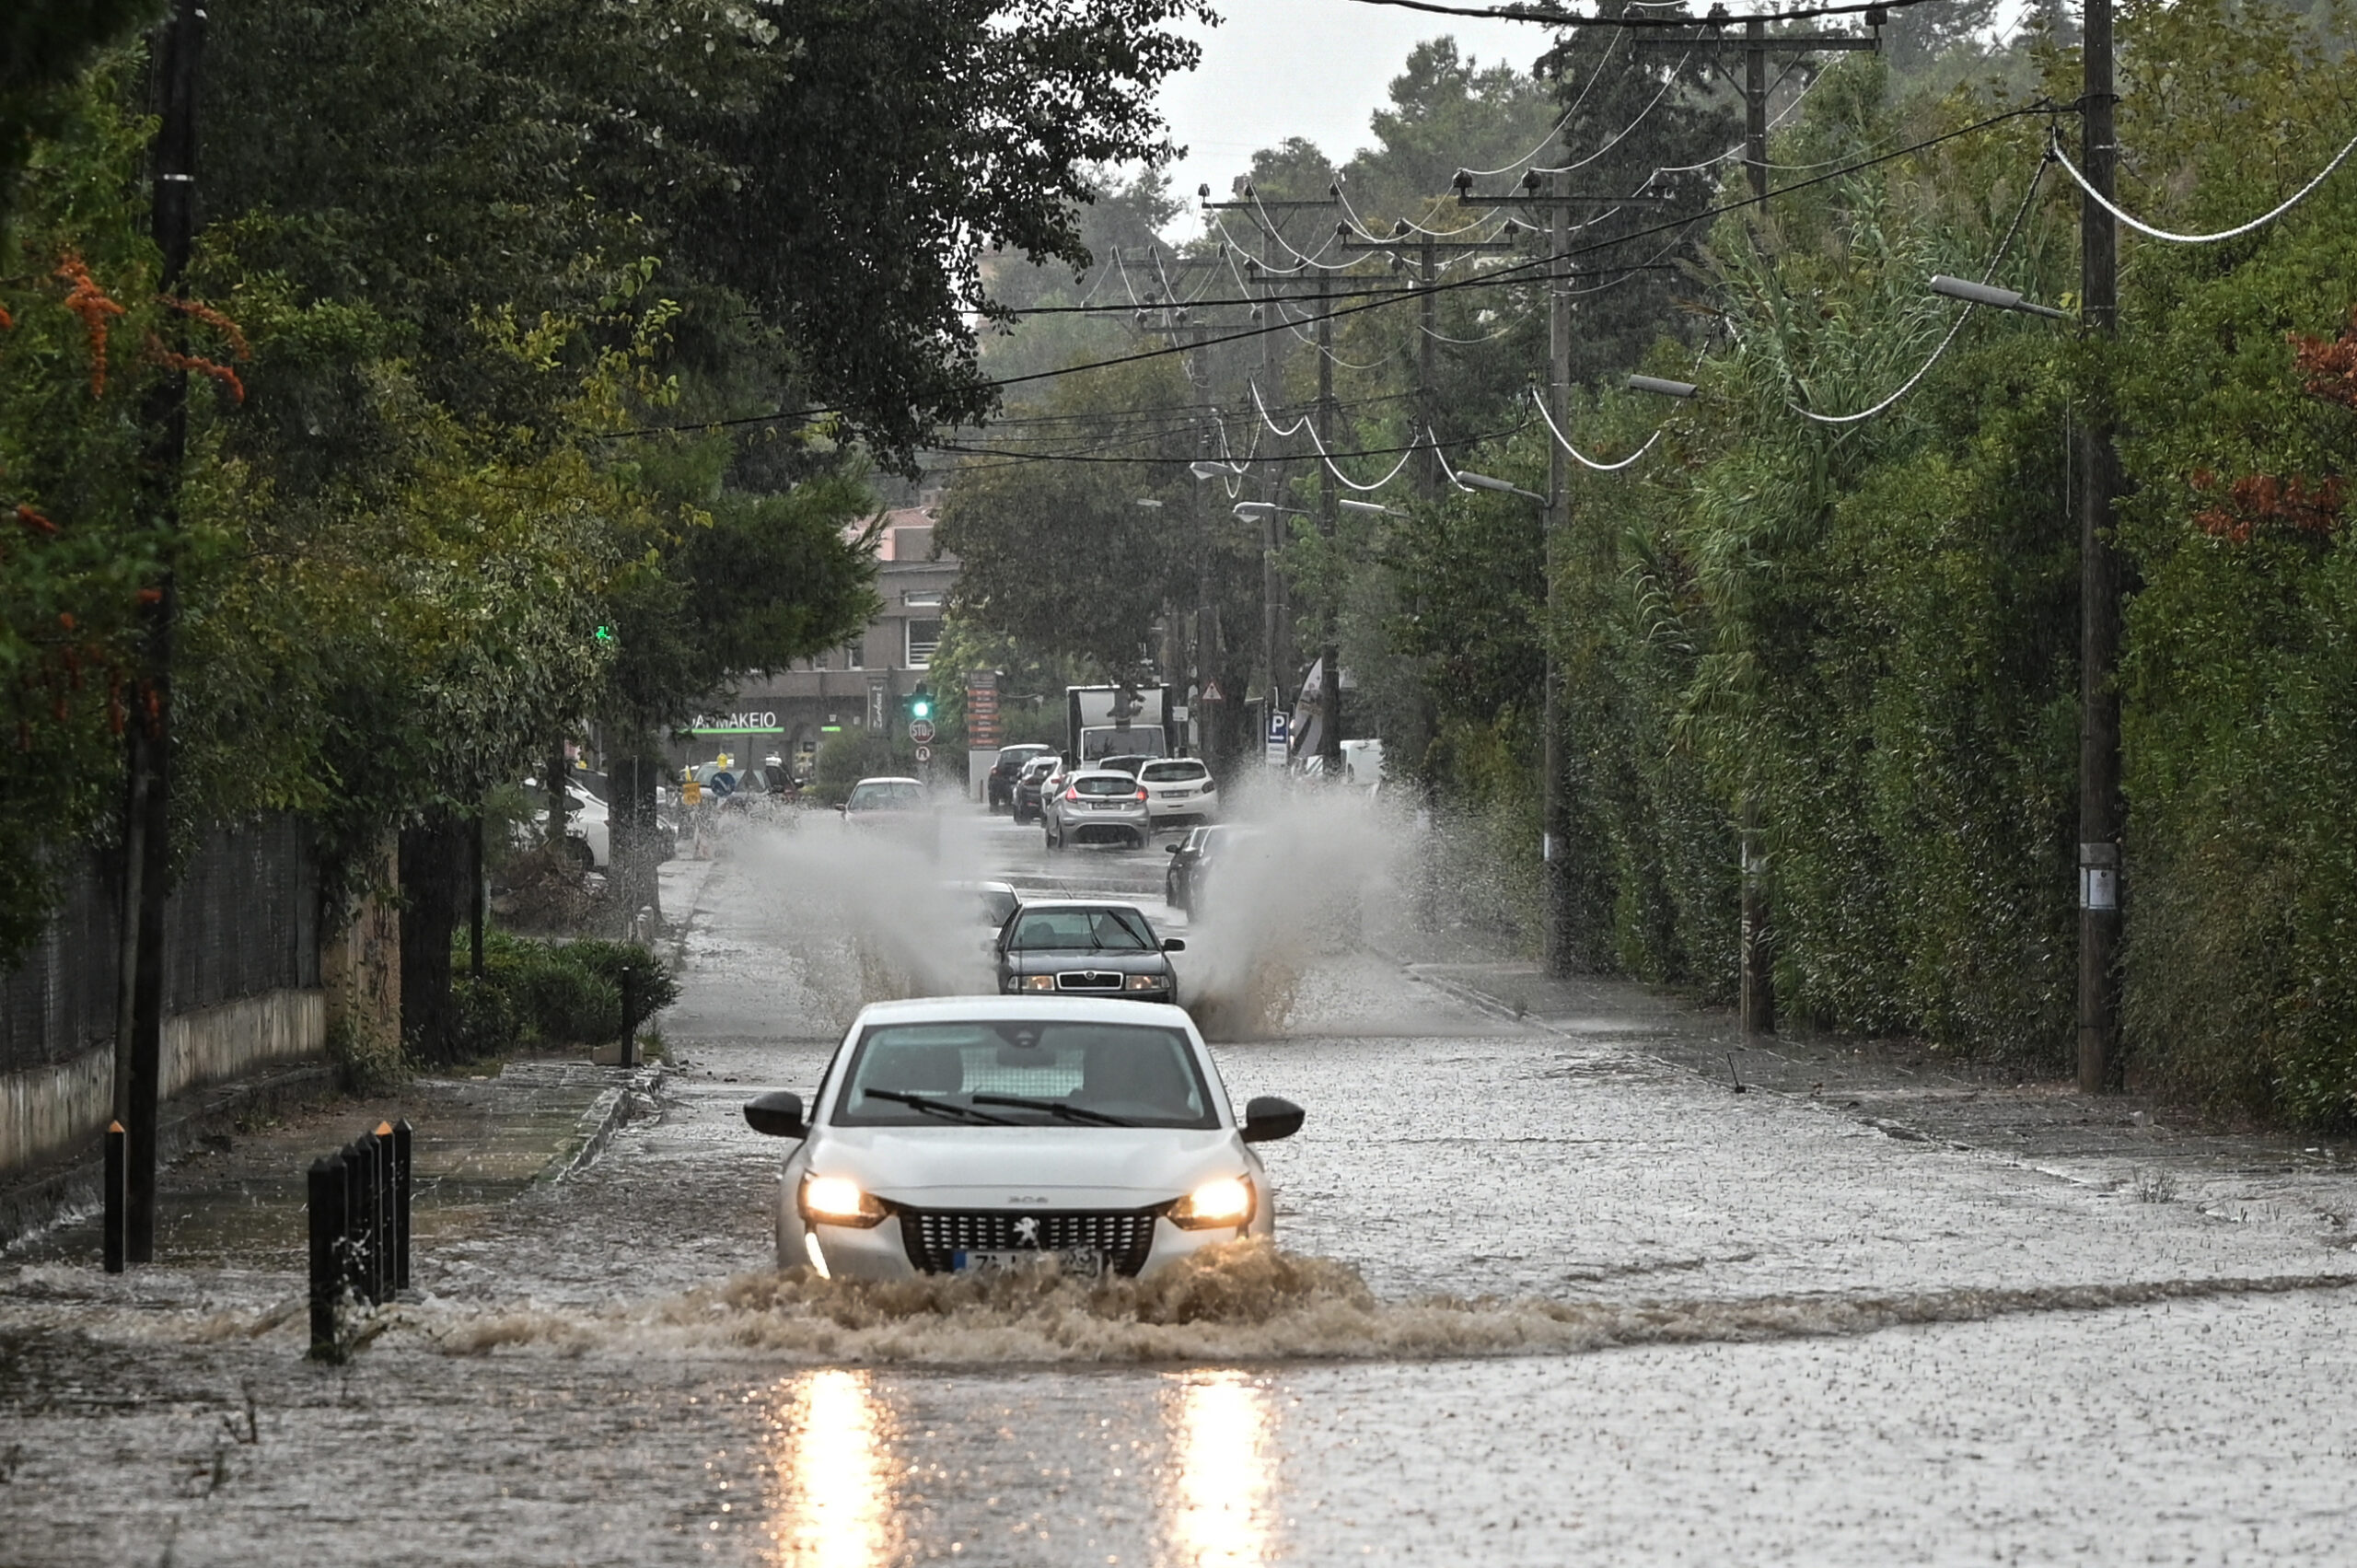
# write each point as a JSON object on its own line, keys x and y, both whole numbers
{"x": 922, "y": 707}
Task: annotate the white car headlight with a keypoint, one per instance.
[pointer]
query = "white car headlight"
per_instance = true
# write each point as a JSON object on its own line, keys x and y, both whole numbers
{"x": 837, "y": 1200}
{"x": 1148, "y": 982}
{"x": 1032, "y": 982}
{"x": 1214, "y": 1204}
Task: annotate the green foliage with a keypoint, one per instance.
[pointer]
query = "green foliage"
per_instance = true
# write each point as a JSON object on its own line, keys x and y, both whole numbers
{"x": 536, "y": 994}
{"x": 855, "y": 754}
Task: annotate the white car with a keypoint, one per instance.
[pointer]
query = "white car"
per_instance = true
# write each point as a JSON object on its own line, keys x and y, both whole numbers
{"x": 1179, "y": 793}
{"x": 964, "y": 1133}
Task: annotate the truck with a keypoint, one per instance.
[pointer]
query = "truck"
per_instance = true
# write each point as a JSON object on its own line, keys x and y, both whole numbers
{"x": 1114, "y": 720}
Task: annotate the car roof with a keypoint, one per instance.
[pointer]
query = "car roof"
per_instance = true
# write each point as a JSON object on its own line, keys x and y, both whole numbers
{"x": 1037, "y": 904}
{"x": 1099, "y": 773}
{"x": 979, "y": 886}
{"x": 960, "y": 1009}
{"x": 891, "y": 778}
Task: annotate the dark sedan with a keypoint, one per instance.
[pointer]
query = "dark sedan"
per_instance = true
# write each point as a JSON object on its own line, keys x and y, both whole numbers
{"x": 1030, "y": 781}
{"x": 1084, "y": 948}
{"x": 1000, "y": 781}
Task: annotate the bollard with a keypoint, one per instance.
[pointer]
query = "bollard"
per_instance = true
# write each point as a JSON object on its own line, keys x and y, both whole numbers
{"x": 402, "y": 1189}
{"x": 327, "y": 1216}
{"x": 117, "y": 1173}
{"x": 359, "y": 1207}
{"x": 628, "y": 1055}
{"x": 387, "y": 1251}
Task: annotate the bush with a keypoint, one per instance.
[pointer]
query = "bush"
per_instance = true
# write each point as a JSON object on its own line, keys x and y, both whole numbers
{"x": 538, "y": 994}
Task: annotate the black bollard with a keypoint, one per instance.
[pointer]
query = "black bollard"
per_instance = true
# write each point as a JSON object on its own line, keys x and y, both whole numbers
{"x": 402, "y": 1187}
{"x": 117, "y": 1173}
{"x": 359, "y": 1208}
{"x": 387, "y": 1251}
{"x": 326, "y": 1217}
{"x": 628, "y": 1056}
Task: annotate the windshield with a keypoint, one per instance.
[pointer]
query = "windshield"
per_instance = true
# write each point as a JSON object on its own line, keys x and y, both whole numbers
{"x": 1171, "y": 773}
{"x": 1095, "y": 743}
{"x": 997, "y": 904}
{"x": 887, "y": 795}
{"x": 1118, "y": 783}
{"x": 1101, "y": 1074}
{"x": 1097, "y": 930}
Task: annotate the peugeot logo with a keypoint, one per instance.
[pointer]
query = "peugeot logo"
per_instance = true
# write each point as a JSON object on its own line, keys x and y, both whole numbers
{"x": 1026, "y": 1231}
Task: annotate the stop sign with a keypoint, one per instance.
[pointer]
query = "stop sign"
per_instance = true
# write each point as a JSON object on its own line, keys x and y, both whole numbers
{"x": 921, "y": 731}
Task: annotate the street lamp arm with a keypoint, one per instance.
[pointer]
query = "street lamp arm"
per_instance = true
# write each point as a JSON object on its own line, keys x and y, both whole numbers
{"x": 1994, "y": 297}
{"x": 1484, "y": 481}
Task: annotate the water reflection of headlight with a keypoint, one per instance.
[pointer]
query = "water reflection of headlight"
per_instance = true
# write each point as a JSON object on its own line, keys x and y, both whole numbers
{"x": 1223, "y": 1456}
{"x": 831, "y": 1498}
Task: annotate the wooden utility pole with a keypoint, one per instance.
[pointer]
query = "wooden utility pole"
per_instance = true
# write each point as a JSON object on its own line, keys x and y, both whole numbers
{"x": 1330, "y": 654}
{"x": 1756, "y": 945}
{"x": 2102, "y": 814}
{"x": 147, "y": 807}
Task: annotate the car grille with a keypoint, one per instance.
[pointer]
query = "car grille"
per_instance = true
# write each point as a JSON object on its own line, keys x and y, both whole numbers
{"x": 1123, "y": 1237}
{"x": 1089, "y": 980}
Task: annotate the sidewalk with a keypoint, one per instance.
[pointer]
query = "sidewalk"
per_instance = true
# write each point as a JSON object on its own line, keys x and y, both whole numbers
{"x": 234, "y": 1201}
{"x": 1904, "y": 1088}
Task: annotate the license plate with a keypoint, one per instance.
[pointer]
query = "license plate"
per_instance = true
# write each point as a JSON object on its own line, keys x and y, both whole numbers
{"x": 1112, "y": 806}
{"x": 1084, "y": 1261}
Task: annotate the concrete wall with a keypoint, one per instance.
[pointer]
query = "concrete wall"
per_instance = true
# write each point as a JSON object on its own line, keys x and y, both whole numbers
{"x": 55, "y": 1110}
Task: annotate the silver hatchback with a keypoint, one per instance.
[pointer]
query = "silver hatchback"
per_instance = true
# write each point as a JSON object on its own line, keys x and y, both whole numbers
{"x": 1097, "y": 806}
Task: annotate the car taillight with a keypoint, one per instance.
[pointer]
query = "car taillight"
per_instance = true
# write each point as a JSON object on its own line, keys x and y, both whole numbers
{"x": 1072, "y": 795}
{"x": 1141, "y": 793}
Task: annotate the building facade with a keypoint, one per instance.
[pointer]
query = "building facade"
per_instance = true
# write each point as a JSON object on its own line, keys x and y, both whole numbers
{"x": 787, "y": 715}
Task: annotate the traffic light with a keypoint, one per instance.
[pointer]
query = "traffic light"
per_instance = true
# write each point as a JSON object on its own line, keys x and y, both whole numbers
{"x": 921, "y": 703}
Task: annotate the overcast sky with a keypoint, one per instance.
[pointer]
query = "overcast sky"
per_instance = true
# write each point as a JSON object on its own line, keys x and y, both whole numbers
{"x": 1314, "y": 68}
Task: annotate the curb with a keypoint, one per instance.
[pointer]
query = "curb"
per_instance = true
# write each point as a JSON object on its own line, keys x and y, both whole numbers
{"x": 57, "y": 1192}
{"x": 607, "y": 1115}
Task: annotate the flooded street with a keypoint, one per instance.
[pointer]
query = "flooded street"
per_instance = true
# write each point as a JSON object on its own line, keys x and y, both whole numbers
{"x": 1543, "y": 1294}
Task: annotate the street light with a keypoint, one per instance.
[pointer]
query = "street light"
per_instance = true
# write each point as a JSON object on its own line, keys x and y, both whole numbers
{"x": 1662, "y": 387}
{"x": 1483, "y": 481}
{"x": 1251, "y": 511}
{"x": 1995, "y": 298}
{"x": 1210, "y": 471}
{"x": 1149, "y": 503}
{"x": 1374, "y": 508}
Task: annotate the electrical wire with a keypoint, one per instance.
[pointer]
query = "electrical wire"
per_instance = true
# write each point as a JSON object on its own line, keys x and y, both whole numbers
{"x": 2235, "y": 233}
{"x": 1953, "y": 328}
{"x": 1305, "y": 423}
{"x": 1582, "y": 458}
{"x": 1526, "y": 159}
{"x": 1517, "y": 269}
{"x": 1547, "y": 16}
{"x": 1667, "y": 82}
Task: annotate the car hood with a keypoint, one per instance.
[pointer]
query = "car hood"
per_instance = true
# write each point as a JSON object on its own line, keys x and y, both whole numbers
{"x": 1070, "y": 1167}
{"x": 1048, "y": 961}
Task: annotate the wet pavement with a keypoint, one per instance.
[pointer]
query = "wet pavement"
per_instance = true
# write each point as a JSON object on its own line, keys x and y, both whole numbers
{"x": 1550, "y": 1290}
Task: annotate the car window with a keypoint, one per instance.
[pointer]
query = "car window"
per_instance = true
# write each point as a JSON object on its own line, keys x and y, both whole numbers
{"x": 1105, "y": 787}
{"x": 1171, "y": 773}
{"x": 888, "y": 796}
{"x": 997, "y": 904}
{"x": 1110, "y": 931}
{"x": 1142, "y": 1073}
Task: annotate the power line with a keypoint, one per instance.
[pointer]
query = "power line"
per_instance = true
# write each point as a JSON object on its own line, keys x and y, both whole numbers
{"x": 2298, "y": 196}
{"x": 2043, "y": 107}
{"x": 1547, "y": 16}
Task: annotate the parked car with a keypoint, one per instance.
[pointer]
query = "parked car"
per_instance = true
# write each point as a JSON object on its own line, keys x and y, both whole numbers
{"x": 1097, "y": 807}
{"x": 998, "y": 784}
{"x": 962, "y": 1134}
{"x": 1086, "y": 947}
{"x": 1180, "y": 792}
{"x": 1029, "y": 781}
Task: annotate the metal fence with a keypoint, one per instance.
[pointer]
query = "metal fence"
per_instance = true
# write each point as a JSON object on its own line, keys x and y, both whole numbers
{"x": 243, "y": 919}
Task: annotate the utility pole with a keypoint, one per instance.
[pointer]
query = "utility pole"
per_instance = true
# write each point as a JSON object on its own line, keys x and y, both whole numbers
{"x": 1330, "y": 655}
{"x": 2101, "y": 811}
{"x": 1555, "y": 821}
{"x": 1756, "y": 946}
{"x": 147, "y": 810}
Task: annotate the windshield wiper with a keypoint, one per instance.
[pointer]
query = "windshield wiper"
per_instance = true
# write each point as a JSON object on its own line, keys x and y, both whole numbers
{"x": 937, "y": 1106}
{"x": 1056, "y": 1109}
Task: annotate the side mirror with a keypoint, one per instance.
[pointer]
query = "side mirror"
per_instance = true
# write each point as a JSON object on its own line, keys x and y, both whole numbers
{"x": 779, "y": 1115}
{"x": 1174, "y": 944}
{"x": 1266, "y": 1119}
{"x": 1171, "y": 849}
{"x": 843, "y": 807}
